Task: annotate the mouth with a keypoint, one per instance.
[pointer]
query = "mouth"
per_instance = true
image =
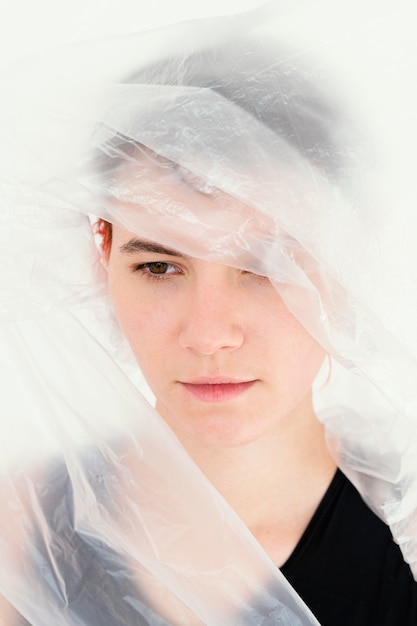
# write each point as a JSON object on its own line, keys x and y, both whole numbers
{"x": 217, "y": 389}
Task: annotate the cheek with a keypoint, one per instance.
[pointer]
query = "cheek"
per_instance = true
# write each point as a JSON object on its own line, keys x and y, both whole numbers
{"x": 308, "y": 359}
{"x": 126, "y": 306}
{"x": 145, "y": 325}
{"x": 293, "y": 350}
{"x": 305, "y": 347}
{"x": 138, "y": 322}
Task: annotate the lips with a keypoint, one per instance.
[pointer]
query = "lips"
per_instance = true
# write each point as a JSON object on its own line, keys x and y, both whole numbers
{"x": 217, "y": 389}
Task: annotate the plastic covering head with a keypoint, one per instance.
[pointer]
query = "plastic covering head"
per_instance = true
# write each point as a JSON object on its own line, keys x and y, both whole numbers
{"x": 241, "y": 141}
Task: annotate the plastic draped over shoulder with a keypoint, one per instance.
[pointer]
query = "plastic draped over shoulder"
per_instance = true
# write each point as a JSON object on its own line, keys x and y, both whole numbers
{"x": 285, "y": 125}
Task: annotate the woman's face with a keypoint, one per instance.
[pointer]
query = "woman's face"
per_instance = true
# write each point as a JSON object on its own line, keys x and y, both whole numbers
{"x": 222, "y": 354}
{"x": 225, "y": 359}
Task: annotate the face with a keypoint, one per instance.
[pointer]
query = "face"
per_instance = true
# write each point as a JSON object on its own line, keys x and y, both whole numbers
{"x": 225, "y": 359}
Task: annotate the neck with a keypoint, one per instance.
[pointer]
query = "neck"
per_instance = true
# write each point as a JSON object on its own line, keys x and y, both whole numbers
{"x": 274, "y": 483}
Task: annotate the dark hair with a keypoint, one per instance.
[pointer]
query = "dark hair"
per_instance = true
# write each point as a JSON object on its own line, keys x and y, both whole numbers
{"x": 267, "y": 85}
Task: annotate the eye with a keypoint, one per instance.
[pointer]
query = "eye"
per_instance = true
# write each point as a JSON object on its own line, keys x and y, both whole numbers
{"x": 157, "y": 269}
{"x": 254, "y": 275}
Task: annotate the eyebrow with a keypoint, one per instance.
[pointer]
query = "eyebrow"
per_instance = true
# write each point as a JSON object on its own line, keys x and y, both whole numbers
{"x": 133, "y": 246}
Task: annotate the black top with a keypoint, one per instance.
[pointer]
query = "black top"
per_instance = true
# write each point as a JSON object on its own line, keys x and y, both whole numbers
{"x": 348, "y": 569}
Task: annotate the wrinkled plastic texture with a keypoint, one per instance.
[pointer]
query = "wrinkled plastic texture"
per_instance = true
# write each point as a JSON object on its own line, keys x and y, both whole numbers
{"x": 299, "y": 123}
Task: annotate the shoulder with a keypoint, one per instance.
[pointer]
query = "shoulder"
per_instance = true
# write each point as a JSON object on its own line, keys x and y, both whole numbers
{"x": 71, "y": 567}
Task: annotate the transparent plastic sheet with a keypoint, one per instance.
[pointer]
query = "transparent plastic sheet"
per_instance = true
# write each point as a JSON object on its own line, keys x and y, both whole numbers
{"x": 98, "y": 490}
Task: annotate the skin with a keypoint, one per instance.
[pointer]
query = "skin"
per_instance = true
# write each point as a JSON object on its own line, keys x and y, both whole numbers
{"x": 263, "y": 448}
{"x": 188, "y": 319}
{"x": 191, "y": 321}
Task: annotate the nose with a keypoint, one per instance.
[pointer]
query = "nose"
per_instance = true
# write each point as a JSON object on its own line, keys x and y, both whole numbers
{"x": 212, "y": 321}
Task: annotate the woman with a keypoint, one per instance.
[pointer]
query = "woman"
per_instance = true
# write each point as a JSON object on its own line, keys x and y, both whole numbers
{"x": 223, "y": 174}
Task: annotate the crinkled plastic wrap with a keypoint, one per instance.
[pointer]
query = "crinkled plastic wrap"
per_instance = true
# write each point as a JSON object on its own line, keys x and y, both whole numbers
{"x": 299, "y": 123}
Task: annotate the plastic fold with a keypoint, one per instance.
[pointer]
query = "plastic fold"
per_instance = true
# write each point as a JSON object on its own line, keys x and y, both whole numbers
{"x": 296, "y": 129}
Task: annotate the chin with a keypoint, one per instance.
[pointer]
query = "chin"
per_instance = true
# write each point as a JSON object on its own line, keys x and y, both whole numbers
{"x": 223, "y": 429}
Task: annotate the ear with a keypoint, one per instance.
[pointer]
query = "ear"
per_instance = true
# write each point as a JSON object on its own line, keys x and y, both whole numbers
{"x": 103, "y": 230}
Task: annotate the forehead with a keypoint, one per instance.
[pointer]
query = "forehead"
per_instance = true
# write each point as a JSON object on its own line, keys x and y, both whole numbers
{"x": 160, "y": 200}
